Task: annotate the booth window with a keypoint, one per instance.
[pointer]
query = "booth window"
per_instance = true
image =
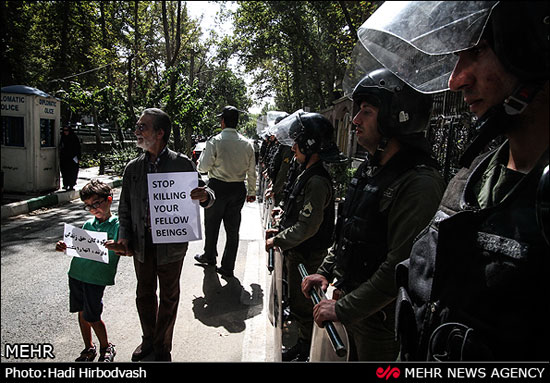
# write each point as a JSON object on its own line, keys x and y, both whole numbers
{"x": 47, "y": 133}
{"x": 13, "y": 131}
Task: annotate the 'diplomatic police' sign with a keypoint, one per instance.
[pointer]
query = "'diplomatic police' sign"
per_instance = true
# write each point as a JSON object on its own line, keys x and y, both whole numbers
{"x": 175, "y": 217}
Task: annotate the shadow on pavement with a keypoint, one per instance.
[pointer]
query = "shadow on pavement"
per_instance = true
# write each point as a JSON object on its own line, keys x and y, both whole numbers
{"x": 226, "y": 305}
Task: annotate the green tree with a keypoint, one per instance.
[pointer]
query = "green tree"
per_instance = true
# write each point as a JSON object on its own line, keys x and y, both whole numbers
{"x": 112, "y": 59}
{"x": 297, "y": 49}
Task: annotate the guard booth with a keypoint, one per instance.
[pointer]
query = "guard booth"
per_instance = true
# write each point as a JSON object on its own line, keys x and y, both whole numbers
{"x": 30, "y": 136}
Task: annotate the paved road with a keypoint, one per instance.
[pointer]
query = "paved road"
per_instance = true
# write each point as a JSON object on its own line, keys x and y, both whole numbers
{"x": 218, "y": 320}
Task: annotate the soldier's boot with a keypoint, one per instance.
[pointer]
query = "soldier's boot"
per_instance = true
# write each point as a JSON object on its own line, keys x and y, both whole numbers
{"x": 297, "y": 353}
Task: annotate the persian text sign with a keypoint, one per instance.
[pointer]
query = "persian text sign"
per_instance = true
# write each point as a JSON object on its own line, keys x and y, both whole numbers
{"x": 175, "y": 217}
{"x": 86, "y": 244}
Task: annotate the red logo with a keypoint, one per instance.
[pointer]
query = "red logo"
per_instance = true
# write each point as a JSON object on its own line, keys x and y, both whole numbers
{"x": 388, "y": 372}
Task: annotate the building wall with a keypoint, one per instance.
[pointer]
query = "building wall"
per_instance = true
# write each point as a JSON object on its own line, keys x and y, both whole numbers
{"x": 341, "y": 115}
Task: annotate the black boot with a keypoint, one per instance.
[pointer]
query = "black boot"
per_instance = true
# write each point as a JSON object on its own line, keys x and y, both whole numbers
{"x": 297, "y": 353}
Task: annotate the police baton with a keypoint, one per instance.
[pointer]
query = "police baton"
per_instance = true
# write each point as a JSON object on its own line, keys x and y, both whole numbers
{"x": 270, "y": 255}
{"x": 270, "y": 260}
{"x": 316, "y": 297}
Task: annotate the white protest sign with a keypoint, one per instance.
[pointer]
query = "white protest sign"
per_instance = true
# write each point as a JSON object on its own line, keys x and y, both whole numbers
{"x": 175, "y": 217}
{"x": 86, "y": 244}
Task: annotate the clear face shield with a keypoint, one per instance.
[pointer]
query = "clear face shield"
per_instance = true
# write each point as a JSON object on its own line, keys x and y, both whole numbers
{"x": 417, "y": 41}
{"x": 266, "y": 124}
{"x": 273, "y": 115}
{"x": 261, "y": 126}
{"x": 283, "y": 127}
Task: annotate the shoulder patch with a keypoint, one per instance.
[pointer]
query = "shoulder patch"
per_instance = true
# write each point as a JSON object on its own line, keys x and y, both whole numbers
{"x": 307, "y": 210}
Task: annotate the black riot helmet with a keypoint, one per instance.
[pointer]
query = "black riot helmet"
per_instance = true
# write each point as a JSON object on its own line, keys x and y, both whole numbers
{"x": 518, "y": 33}
{"x": 312, "y": 132}
{"x": 402, "y": 111}
{"x": 419, "y": 42}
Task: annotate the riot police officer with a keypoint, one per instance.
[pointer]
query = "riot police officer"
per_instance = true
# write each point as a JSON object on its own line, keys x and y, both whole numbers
{"x": 476, "y": 284}
{"x": 306, "y": 228}
{"x": 282, "y": 160}
{"x": 391, "y": 198}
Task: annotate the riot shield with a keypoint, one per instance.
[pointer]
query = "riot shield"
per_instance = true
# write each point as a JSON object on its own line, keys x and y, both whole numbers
{"x": 321, "y": 349}
{"x": 275, "y": 313}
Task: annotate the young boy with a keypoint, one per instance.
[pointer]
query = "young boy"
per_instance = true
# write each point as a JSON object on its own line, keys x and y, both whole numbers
{"x": 87, "y": 278}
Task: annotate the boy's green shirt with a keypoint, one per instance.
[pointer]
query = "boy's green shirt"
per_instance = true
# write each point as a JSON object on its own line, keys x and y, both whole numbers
{"x": 94, "y": 272}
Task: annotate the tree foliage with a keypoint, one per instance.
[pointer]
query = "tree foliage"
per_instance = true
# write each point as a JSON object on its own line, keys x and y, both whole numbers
{"x": 115, "y": 58}
{"x": 112, "y": 59}
{"x": 297, "y": 49}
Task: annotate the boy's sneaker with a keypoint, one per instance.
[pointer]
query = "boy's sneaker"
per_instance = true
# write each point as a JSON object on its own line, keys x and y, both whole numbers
{"x": 87, "y": 355}
{"x": 107, "y": 354}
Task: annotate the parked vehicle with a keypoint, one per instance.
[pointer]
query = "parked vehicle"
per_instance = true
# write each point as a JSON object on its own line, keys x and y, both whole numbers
{"x": 197, "y": 150}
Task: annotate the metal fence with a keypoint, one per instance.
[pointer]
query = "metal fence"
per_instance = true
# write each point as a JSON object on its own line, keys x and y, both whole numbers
{"x": 86, "y": 133}
{"x": 451, "y": 130}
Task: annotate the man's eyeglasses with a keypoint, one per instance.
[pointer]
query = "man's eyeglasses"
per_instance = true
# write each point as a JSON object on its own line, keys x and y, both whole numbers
{"x": 95, "y": 205}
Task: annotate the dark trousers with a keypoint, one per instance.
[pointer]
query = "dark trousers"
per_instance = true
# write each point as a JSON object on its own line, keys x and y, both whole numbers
{"x": 157, "y": 320}
{"x": 230, "y": 198}
{"x": 373, "y": 338}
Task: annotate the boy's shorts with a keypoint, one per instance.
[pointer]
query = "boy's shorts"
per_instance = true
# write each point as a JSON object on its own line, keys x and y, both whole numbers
{"x": 87, "y": 298}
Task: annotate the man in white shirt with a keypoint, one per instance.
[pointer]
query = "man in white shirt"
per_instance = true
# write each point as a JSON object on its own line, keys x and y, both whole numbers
{"x": 229, "y": 160}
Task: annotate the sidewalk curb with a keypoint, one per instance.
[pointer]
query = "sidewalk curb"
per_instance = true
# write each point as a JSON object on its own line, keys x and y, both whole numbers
{"x": 52, "y": 199}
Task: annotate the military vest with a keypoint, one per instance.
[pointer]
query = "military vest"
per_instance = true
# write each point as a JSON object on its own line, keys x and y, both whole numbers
{"x": 475, "y": 286}
{"x": 361, "y": 229}
{"x": 324, "y": 237}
